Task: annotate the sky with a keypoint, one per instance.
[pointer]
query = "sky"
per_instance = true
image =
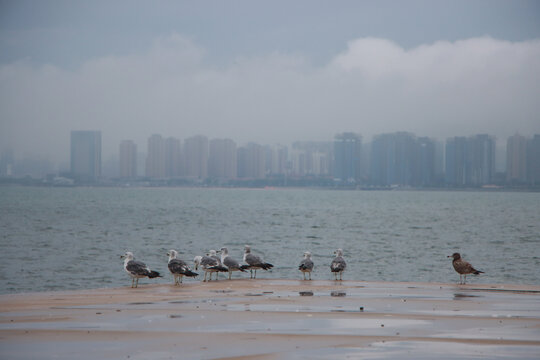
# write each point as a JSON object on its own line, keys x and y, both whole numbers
{"x": 264, "y": 71}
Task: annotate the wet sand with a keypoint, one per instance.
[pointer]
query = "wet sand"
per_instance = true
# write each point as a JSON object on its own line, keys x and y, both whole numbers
{"x": 274, "y": 319}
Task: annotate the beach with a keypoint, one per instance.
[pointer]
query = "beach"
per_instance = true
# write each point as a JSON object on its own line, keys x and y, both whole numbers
{"x": 274, "y": 319}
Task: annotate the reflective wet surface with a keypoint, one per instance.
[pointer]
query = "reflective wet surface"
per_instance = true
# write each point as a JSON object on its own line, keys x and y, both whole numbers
{"x": 286, "y": 319}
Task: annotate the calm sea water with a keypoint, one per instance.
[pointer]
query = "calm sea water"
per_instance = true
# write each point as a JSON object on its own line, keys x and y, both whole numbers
{"x": 71, "y": 238}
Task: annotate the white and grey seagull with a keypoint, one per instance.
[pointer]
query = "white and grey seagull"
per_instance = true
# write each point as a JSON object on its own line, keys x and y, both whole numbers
{"x": 137, "y": 269}
{"x": 230, "y": 263}
{"x": 338, "y": 265}
{"x": 178, "y": 268}
{"x": 254, "y": 262}
{"x": 306, "y": 265}
{"x": 210, "y": 263}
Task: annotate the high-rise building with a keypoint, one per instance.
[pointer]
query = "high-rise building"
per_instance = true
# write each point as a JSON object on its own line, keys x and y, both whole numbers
{"x": 172, "y": 157}
{"x": 222, "y": 161}
{"x": 7, "y": 161}
{"x": 128, "y": 159}
{"x": 155, "y": 158}
{"x": 533, "y": 160}
{"x": 455, "y": 164}
{"x": 347, "y": 151}
{"x": 394, "y": 158}
{"x": 86, "y": 155}
{"x": 470, "y": 161}
{"x": 481, "y": 160}
{"x": 251, "y": 161}
{"x": 276, "y": 160}
{"x": 196, "y": 157}
{"x": 516, "y": 159}
{"x": 321, "y": 164}
{"x": 424, "y": 162}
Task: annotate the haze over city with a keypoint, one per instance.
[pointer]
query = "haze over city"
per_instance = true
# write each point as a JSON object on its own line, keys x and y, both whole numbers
{"x": 269, "y": 72}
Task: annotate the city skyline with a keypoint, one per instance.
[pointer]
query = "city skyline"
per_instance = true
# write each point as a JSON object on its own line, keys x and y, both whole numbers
{"x": 265, "y": 72}
{"x": 143, "y": 150}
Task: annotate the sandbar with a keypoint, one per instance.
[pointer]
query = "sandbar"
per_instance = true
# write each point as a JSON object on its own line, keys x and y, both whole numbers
{"x": 274, "y": 319}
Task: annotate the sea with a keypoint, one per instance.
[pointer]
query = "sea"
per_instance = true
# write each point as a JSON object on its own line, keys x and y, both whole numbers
{"x": 72, "y": 238}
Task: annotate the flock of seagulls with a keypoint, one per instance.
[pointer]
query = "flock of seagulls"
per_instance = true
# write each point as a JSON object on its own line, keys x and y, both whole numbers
{"x": 212, "y": 264}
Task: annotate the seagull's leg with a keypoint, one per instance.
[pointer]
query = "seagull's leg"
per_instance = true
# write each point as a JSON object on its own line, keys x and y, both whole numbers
{"x": 136, "y": 282}
{"x": 464, "y": 279}
{"x": 310, "y": 275}
{"x": 255, "y": 275}
{"x": 230, "y": 274}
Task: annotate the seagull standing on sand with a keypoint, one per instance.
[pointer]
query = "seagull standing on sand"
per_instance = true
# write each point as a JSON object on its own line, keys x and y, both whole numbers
{"x": 209, "y": 264}
{"x": 231, "y": 263}
{"x": 306, "y": 265}
{"x": 137, "y": 269}
{"x": 178, "y": 267}
{"x": 254, "y": 262}
{"x": 462, "y": 267}
{"x": 338, "y": 265}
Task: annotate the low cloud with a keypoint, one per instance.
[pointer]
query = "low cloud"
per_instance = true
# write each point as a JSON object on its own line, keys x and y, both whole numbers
{"x": 478, "y": 85}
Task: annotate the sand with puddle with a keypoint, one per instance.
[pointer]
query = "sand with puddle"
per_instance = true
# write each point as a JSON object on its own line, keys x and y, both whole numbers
{"x": 274, "y": 319}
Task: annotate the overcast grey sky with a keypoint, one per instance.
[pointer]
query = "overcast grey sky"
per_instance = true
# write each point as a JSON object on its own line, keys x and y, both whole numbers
{"x": 270, "y": 72}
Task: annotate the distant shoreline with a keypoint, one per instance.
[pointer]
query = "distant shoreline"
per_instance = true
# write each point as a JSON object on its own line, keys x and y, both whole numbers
{"x": 39, "y": 183}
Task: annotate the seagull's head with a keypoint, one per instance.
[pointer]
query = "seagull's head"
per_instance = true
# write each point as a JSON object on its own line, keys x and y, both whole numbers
{"x": 197, "y": 261}
{"x": 338, "y": 252}
{"x": 455, "y": 256}
{"x": 128, "y": 255}
{"x": 307, "y": 255}
{"x": 212, "y": 253}
{"x": 224, "y": 251}
{"x": 247, "y": 249}
{"x": 172, "y": 254}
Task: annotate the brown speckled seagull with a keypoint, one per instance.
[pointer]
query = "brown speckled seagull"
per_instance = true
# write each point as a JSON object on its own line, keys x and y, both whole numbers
{"x": 463, "y": 268}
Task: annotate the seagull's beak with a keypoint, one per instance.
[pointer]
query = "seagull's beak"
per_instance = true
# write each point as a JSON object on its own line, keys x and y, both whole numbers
{"x": 449, "y": 256}
{"x": 122, "y": 256}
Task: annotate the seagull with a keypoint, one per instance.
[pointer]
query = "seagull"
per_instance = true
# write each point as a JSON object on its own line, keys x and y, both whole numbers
{"x": 462, "y": 267}
{"x": 137, "y": 269}
{"x": 306, "y": 265}
{"x": 254, "y": 262}
{"x": 338, "y": 265}
{"x": 178, "y": 267}
{"x": 209, "y": 264}
{"x": 230, "y": 263}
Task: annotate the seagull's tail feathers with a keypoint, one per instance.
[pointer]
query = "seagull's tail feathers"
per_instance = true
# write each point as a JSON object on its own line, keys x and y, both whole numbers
{"x": 153, "y": 274}
{"x": 476, "y": 272}
{"x": 190, "y": 273}
{"x": 220, "y": 268}
{"x": 243, "y": 268}
{"x": 267, "y": 266}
